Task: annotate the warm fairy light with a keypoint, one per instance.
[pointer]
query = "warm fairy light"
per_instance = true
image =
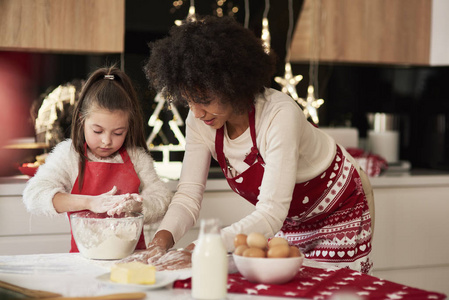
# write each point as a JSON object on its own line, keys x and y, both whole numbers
{"x": 311, "y": 104}
{"x": 266, "y": 37}
{"x": 157, "y": 123}
{"x": 289, "y": 82}
{"x": 191, "y": 16}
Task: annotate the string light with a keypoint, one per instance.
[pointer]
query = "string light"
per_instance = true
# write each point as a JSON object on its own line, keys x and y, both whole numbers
{"x": 246, "y": 13}
{"x": 311, "y": 104}
{"x": 191, "y": 16}
{"x": 289, "y": 81}
{"x": 266, "y": 37}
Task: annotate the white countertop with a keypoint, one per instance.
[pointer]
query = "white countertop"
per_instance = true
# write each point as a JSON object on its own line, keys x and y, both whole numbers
{"x": 72, "y": 275}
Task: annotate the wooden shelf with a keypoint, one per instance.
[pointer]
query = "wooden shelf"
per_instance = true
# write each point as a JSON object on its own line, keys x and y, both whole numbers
{"x": 373, "y": 31}
{"x": 28, "y": 146}
{"x": 73, "y": 26}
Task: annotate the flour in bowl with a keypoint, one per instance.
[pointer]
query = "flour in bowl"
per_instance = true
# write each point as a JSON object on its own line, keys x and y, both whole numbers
{"x": 106, "y": 238}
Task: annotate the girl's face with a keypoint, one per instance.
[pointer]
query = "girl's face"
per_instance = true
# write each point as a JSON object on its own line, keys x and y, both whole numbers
{"x": 105, "y": 131}
{"x": 213, "y": 114}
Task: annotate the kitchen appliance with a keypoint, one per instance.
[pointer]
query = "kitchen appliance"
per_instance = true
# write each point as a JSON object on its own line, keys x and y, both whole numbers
{"x": 429, "y": 143}
{"x": 383, "y": 136}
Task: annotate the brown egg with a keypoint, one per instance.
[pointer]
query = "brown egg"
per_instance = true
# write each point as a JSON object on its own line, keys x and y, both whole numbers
{"x": 277, "y": 241}
{"x": 256, "y": 240}
{"x": 254, "y": 252}
{"x": 278, "y": 251}
{"x": 240, "y": 239}
{"x": 240, "y": 249}
{"x": 294, "y": 251}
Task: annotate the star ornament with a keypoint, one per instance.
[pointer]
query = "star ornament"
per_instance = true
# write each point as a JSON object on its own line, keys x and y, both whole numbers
{"x": 289, "y": 82}
{"x": 311, "y": 104}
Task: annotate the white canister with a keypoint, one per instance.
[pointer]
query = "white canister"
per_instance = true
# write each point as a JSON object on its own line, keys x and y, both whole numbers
{"x": 209, "y": 263}
{"x": 384, "y": 144}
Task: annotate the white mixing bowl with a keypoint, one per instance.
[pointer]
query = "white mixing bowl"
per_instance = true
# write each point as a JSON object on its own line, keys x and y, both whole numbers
{"x": 98, "y": 237}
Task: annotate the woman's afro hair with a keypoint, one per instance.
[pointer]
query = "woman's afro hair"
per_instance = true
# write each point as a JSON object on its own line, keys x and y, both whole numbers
{"x": 210, "y": 58}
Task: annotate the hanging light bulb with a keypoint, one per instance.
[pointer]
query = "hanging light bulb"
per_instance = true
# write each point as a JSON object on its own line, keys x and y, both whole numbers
{"x": 266, "y": 37}
{"x": 289, "y": 81}
{"x": 311, "y": 104}
{"x": 191, "y": 16}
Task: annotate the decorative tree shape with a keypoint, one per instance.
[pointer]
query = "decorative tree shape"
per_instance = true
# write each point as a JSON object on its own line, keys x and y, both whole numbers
{"x": 174, "y": 124}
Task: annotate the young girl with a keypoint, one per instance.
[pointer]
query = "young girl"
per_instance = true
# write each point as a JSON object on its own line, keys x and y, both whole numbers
{"x": 105, "y": 167}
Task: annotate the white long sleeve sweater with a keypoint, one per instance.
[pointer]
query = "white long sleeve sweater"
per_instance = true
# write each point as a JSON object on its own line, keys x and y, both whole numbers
{"x": 294, "y": 151}
{"x": 60, "y": 172}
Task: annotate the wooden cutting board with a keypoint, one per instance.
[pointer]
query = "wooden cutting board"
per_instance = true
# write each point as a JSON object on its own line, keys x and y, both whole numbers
{"x": 10, "y": 291}
{"x": 17, "y": 292}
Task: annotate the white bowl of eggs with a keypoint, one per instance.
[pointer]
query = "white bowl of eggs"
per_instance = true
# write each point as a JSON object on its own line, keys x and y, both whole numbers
{"x": 260, "y": 261}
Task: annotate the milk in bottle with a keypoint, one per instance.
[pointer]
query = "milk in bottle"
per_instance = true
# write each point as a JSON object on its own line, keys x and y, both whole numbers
{"x": 209, "y": 263}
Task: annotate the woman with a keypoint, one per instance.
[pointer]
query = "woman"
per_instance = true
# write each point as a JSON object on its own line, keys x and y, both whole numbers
{"x": 304, "y": 186}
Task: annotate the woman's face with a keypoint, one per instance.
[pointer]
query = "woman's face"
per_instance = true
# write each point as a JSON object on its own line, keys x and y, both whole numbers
{"x": 105, "y": 131}
{"x": 213, "y": 114}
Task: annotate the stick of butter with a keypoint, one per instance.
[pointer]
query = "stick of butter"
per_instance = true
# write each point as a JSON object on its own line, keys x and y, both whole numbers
{"x": 133, "y": 272}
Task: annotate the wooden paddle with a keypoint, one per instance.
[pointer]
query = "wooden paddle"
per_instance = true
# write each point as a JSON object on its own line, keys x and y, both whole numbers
{"x": 27, "y": 292}
{"x": 22, "y": 292}
{"x": 121, "y": 296}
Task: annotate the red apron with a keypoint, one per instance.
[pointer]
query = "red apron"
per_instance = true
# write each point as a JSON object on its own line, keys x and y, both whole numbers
{"x": 328, "y": 218}
{"x": 100, "y": 177}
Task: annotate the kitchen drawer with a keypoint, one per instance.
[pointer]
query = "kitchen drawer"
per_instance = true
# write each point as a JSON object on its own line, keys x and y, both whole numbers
{"x": 15, "y": 220}
{"x": 411, "y": 227}
{"x": 227, "y": 206}
{"x": 34, "y": 244}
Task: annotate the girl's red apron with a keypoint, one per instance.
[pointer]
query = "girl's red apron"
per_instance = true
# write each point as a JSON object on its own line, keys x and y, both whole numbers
{"x": 328, "y": 217}
{"x": 101, "y": 177}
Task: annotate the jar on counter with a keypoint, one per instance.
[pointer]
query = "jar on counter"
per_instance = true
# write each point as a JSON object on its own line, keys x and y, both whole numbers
{"x": 209, "y": 263}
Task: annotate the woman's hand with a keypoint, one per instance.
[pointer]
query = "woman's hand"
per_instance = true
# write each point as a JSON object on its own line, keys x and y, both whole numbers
{"x": 157, "y": 253}
{"x": 173, "y": 260}
{"x": 147, "y": 256}
{"x": 162, "y": 259}
{"x": 155, "y": 250}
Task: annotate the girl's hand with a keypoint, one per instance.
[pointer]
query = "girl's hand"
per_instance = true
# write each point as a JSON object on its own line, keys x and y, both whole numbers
{"x": 132, "y": 203}
{"x": 104, "y": 202}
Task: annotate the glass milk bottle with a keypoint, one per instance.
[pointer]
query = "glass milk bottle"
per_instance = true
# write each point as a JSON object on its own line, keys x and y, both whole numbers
{"x": 209, "y": 263}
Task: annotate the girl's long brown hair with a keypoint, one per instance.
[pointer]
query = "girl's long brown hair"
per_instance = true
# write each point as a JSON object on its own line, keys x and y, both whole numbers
{"x": 107, "y": 88}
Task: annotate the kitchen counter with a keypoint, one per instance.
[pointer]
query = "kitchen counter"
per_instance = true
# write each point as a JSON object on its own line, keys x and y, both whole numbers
{"x": 410, "y": 213}
{"x": 72, "y": 275}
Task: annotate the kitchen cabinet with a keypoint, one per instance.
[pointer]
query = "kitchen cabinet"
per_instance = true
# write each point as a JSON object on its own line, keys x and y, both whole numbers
{"x": 63, "y": 26}
{"x": 373, "y": 31}
{"x": 410, "y": 244}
